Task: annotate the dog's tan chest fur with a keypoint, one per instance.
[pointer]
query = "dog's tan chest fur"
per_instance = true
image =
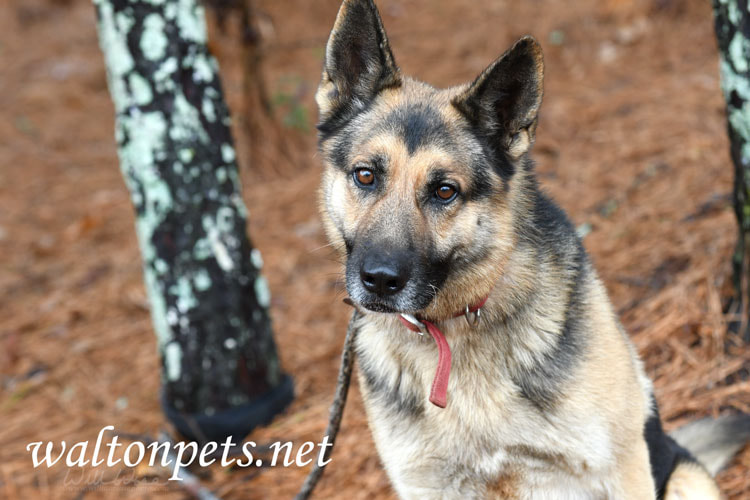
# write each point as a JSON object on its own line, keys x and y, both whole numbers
{"x": 491, "y": 442}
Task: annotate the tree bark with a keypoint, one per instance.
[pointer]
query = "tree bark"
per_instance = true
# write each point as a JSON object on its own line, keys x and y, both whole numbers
{"x": 209, "y": 302}
{"x": 732, "y": 23}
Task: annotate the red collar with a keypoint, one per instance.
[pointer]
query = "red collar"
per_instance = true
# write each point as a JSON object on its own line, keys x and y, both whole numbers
{"x": 439, "y": 391}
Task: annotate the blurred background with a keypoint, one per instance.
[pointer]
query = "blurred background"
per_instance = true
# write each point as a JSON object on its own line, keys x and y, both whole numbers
{"x": 632, "y": 143}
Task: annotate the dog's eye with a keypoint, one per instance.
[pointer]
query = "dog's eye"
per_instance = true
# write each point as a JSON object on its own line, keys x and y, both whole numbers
{"x": 446, "y": 193}
{"x": 364, "y": 177}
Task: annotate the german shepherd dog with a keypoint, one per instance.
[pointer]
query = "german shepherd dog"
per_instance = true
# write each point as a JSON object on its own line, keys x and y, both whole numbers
{"x": 430, "y": 196}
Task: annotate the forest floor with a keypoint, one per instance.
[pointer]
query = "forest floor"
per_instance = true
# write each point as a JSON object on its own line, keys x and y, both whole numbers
{"x": 631, "y": 143}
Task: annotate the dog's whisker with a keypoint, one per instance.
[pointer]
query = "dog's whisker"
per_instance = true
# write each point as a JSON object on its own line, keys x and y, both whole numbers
{"x": 329, "y": 245}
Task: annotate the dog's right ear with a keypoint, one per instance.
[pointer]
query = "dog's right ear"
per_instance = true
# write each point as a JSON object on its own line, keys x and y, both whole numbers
{"x": 358, "y": 63}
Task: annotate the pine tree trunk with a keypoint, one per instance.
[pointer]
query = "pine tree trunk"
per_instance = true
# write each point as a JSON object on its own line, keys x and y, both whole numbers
{"x": 209, "y": 302}
{"x": 733, "y": 34}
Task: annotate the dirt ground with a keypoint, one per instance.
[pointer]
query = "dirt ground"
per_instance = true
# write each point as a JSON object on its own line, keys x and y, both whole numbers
{"x": 631, "y": 143}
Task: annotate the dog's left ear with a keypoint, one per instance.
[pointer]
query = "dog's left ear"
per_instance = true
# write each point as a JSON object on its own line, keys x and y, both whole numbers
{"x": 358, "y": 62}
{"x": 503, "y": 102}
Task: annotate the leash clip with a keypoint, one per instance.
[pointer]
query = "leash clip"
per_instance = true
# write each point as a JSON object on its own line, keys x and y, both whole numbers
{"x": 420, "y": 327}
{"x": 472, "y": 317}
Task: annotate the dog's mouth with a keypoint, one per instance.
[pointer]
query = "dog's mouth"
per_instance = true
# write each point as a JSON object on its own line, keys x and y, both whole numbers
{"x": 376, "y": 306}
{"x": 379, "y": 307}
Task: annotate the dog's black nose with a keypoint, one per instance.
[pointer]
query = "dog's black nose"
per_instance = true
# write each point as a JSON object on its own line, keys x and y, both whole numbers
{"x": 384, "y": 274}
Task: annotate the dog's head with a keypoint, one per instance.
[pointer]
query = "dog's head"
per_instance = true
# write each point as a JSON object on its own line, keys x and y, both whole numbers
{"x": 423, "y": 187}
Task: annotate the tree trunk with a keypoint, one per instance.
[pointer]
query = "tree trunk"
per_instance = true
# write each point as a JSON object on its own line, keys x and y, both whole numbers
{"x": 209, "y": 302}
{"x": 732, "y": 22}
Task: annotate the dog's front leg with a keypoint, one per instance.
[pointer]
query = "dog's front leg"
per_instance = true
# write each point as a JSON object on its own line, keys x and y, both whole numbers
{"x": 636, "y": 482}
{"x": 431, "y": 481}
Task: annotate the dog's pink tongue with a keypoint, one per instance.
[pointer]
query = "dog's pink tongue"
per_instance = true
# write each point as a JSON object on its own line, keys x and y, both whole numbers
{"x": 439, "y": 391}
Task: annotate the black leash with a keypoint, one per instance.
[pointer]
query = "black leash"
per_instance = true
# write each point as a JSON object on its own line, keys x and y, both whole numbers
{"x": 337, "y": 409}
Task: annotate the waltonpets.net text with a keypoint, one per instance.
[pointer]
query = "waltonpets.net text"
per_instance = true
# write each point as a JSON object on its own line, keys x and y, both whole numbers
{"x": 174, "y": 456}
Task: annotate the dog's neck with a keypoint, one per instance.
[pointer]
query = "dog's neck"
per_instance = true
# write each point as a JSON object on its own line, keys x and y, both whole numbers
{"x": 519, "y": 321}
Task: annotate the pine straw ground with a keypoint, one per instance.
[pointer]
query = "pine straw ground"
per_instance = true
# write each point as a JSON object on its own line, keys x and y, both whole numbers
{"x": 632, "y": 142}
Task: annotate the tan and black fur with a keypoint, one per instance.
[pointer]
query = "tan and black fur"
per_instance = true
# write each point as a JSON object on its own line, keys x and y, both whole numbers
{"x": 547, "y": 396}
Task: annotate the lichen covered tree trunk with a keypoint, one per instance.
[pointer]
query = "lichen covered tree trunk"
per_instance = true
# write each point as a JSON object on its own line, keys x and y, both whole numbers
{"x": 209, "y": 302}
{"x": 732, "y": 21}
